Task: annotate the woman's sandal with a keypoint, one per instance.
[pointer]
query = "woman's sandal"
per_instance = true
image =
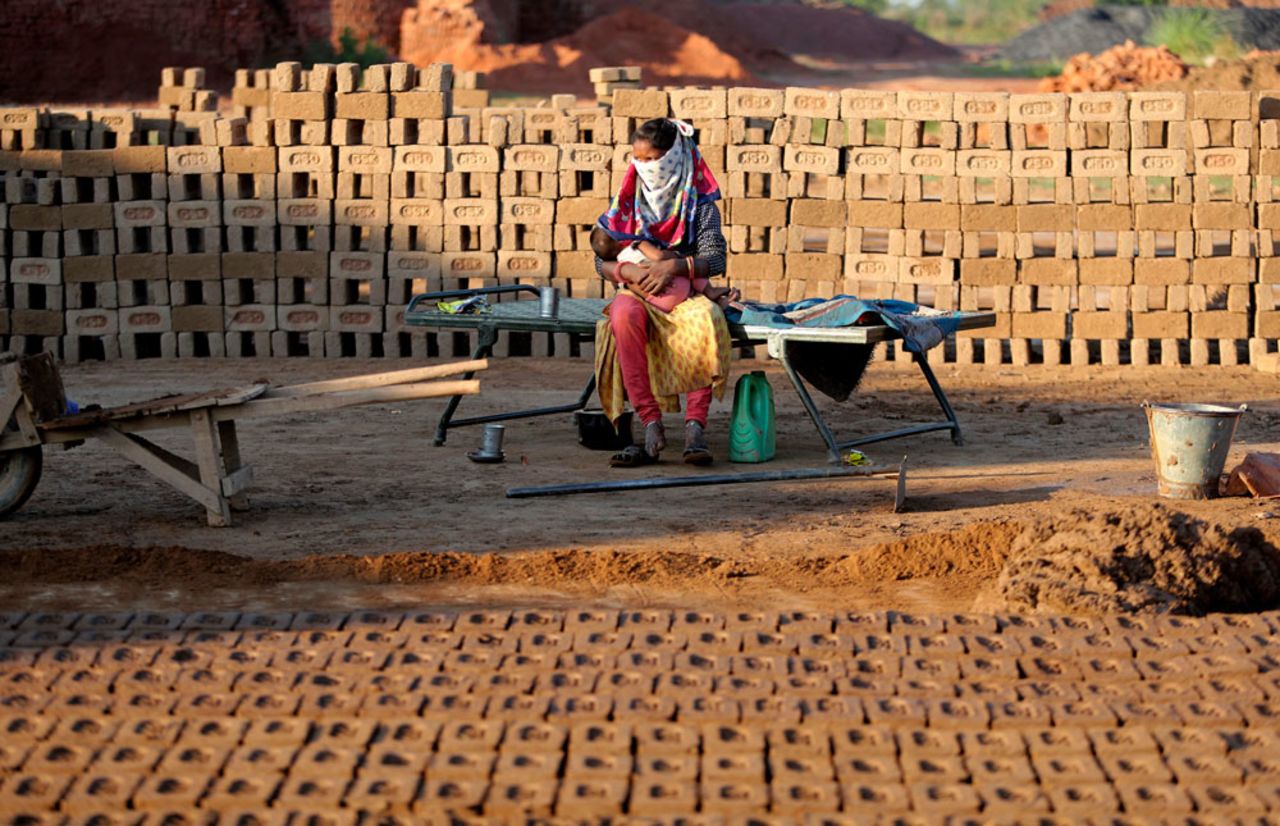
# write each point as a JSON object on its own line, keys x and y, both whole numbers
{"x": 631, "y": 456}
{"x": 655, "y": 440}
{"x": 696, "y": 451}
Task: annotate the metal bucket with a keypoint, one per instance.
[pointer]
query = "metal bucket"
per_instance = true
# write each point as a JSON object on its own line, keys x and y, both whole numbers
{"x": 1189, "y": 443}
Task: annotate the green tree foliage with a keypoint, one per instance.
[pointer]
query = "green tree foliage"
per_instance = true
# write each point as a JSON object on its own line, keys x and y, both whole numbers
{"x": 873, "y": 6}
{"x": 967, "y": 21}
{"x": 349, "y": 50}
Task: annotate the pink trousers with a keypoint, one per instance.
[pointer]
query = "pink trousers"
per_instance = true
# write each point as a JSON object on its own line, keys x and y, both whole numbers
{"x": 680, "y": 288}
{"x": 630, "y": 323}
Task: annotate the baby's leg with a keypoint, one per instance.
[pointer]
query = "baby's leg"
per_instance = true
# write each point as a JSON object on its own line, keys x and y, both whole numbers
{"x": 722, "y": 295}
{"x": 676, "y": 291}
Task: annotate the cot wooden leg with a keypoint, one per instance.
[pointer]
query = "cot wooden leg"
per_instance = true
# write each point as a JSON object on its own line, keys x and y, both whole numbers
{"x": 209, "y": 460}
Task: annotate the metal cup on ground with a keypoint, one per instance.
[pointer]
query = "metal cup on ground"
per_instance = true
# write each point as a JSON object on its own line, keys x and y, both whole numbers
{"x": 549, "y": 302}
{"x": 490, "y": 451}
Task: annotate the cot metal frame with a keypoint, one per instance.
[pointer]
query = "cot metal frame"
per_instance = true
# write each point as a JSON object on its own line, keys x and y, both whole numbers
{"x": 579, "y": 315}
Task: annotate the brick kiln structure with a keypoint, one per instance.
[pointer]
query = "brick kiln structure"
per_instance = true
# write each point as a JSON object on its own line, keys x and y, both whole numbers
{"x": 108, "y": 50}
{"x": 1100, "y": 227}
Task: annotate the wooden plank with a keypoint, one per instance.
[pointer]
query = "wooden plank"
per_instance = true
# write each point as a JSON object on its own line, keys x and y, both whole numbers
{"x": 370, "y": 380}
{"x": 27, "y": 425}
{"x": 165, "y": 466}
{"x": 204, "y": 430}
{"x": 234, "y": 395}
{"x": 336, "y": 401}
{"x": 231, "y": 461}
{"x": 16, "y": 440}
{"x": 155, "y": 408}
{"x": 27, "y": 434}
{"x": 144, "y": 424}
{"x": 72, "y": 429}
{"x": 9, "y": 402}
{"x": 237, "y": 480}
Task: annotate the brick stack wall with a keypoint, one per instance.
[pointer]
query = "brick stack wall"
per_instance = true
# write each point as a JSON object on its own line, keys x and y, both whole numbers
{"x": 1101, "y": 228}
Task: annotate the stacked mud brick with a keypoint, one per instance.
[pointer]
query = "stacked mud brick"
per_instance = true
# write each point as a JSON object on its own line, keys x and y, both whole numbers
{"x": 1266, "y": 304}
{"x": 608, "y": 79}
{"x": 1100, "y": 227}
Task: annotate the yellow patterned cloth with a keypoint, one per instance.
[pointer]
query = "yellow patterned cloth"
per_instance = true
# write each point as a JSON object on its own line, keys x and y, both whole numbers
{"x": 688, "y": 349}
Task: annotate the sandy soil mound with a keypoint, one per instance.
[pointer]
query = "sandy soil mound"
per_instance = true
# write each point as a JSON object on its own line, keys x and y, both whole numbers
{"x": 1258, "y": 71}
{"x": 977, "y": 549}
{"x": 1141, "y": 559}
{"x": 1145, "y": 559}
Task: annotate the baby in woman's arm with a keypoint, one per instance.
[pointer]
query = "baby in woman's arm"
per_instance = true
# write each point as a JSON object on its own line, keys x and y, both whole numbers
{"x": 640, "y": 253}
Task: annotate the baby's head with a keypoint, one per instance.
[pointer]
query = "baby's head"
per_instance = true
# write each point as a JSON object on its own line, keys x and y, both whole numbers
{"x": 605, "y": 246}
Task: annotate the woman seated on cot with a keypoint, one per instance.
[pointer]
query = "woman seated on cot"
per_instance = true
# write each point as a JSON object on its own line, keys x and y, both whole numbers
{"x": 662, "y": 312}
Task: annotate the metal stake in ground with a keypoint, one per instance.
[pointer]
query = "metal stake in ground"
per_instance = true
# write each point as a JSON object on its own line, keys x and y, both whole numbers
{"x": 795, "y": 475}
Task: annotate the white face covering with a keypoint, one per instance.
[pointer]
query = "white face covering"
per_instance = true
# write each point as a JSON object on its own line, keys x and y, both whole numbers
{"x": 663, "y": 180}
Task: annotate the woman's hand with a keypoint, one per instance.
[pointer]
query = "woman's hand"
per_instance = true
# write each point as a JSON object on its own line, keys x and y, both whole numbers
{"x": 630, "y": 276}
{"x": 658, "y": 275}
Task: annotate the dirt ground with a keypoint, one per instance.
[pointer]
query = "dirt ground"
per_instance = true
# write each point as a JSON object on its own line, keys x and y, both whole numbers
{"x": 359, "y": 508}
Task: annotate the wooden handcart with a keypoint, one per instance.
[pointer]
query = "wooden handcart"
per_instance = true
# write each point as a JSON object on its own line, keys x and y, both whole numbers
{"x": 33, "y": 413}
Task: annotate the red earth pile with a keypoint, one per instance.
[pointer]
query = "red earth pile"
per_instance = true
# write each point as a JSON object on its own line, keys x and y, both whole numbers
{"x": 666, "y": 51}
{"x": 1120, "y": 68}
{"x": 674, "y": 42}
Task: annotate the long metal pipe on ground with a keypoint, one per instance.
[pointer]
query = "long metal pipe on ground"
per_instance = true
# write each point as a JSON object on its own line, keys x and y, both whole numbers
{"x": 797, "y": 474}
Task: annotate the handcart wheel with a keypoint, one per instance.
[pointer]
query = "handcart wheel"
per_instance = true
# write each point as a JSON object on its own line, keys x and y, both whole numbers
{"x": 19, "y": 475}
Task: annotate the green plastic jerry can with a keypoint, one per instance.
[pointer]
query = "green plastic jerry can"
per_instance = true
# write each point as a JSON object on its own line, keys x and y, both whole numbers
{"x": 753, "y": 436}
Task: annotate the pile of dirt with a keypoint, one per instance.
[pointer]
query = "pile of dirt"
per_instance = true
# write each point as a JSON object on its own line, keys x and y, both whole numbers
{"x": 1140, "y": 559}
{"x": 674, "y": 42}
{"x": 668, "y": 53}
{"x": 1143, "y": 559}
{"x": 757, "y": 31}
{"x": 1124, "y": 67}
{"x": 1097, "y": 29}
{"x": 975, "y": 550}
{"x": 1087, "y": 31}
{"x": 1057, "y": 8}
{"x": 1256, "y": 71}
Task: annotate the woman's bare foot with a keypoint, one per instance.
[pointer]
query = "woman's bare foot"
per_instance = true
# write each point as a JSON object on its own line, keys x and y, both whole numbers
{"x": 655, "y": 439}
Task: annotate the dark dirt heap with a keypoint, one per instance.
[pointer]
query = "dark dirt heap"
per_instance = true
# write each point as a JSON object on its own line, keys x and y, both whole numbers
{"x": 1144, "y": 559}
{"x": 1096, "y": 29}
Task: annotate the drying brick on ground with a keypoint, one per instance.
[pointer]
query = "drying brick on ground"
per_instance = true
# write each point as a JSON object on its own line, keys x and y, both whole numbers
{"x": 639, "y": 715}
